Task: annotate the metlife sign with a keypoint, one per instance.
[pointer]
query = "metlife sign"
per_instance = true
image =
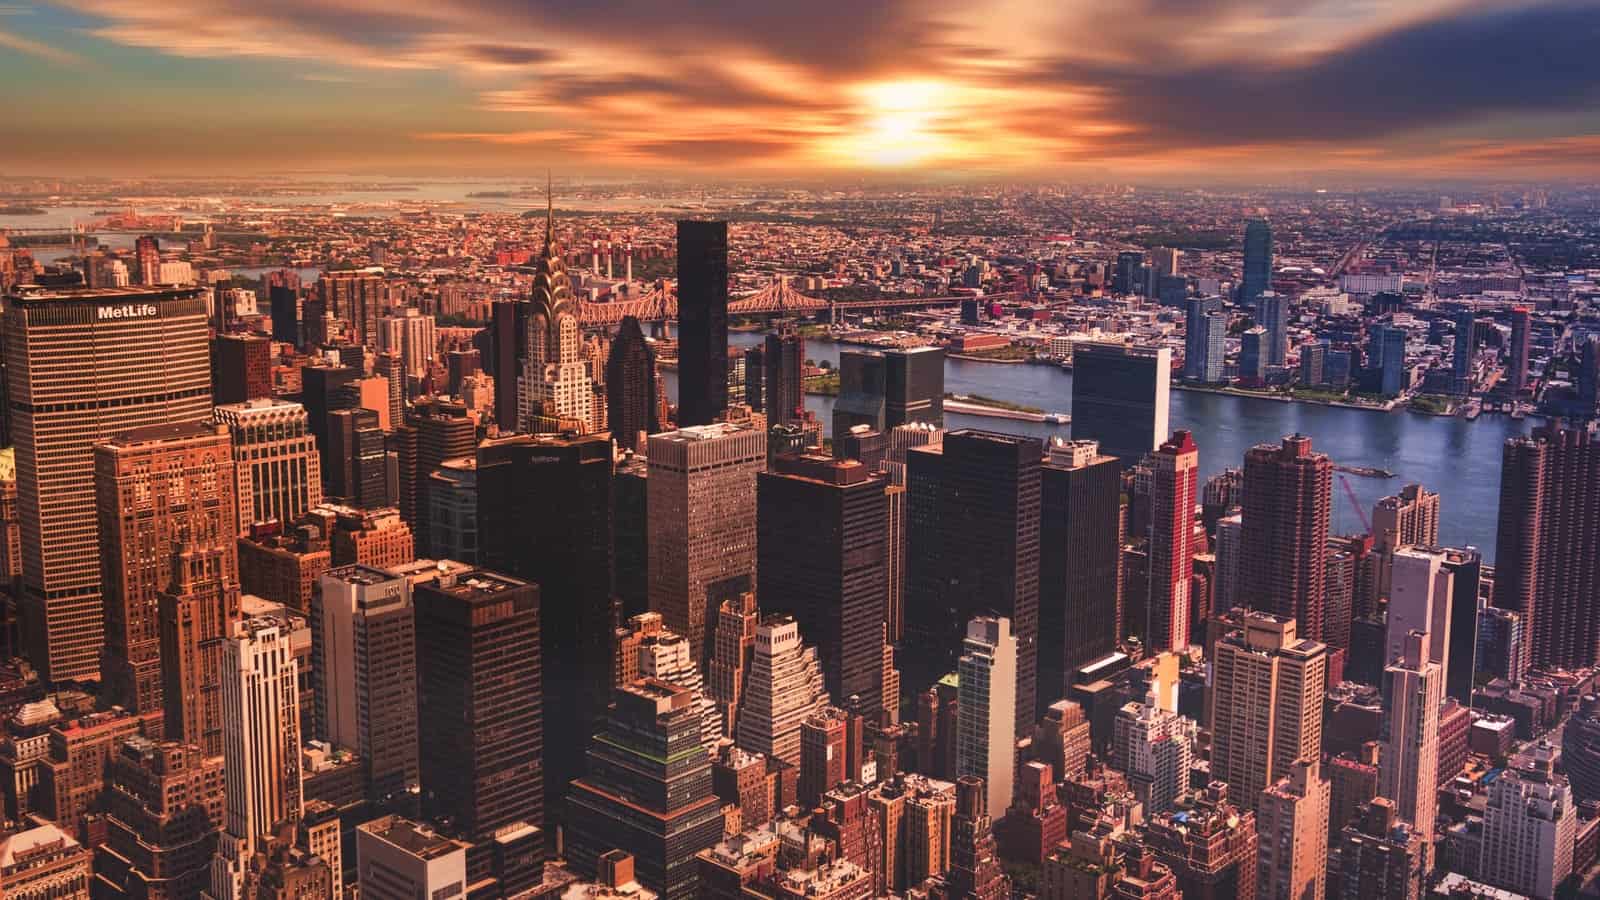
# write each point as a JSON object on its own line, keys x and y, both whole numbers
{"x": 127, "y": 311}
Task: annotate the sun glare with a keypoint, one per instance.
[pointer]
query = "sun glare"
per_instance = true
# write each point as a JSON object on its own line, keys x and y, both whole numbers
{"x": 898, "y": 119}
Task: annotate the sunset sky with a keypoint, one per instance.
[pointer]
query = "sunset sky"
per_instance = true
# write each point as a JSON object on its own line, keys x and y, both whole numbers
{"x": 1136, "y": 88}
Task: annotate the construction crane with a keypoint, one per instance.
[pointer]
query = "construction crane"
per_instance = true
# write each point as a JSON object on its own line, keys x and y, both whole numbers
{"x": 1361, "y": 513}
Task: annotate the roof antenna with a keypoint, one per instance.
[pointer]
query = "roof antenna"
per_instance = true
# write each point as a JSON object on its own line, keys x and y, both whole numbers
{"x": 550, "y": 208}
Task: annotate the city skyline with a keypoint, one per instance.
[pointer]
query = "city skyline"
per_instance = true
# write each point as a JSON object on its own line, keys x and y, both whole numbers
{"x": 1395, "y": 91}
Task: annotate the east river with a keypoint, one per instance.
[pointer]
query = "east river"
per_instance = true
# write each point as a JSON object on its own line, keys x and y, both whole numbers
{"x": 1458, "y": 459}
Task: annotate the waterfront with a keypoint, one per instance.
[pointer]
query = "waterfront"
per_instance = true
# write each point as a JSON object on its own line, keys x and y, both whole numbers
{"x": 1458, "y": 459}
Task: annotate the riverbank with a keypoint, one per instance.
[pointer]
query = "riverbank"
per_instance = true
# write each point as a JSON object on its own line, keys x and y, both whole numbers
{"x": 986, "y": 359}
{"x": 993, "y": 412}
{"x": 1386, "y": 406}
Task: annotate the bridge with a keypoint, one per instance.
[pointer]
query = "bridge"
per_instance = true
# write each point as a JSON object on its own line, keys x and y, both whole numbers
{"x": 889, "y": 303}
{"x": 661, "y": 304}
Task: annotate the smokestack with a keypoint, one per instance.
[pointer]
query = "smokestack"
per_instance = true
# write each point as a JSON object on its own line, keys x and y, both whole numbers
{"x": 595, "y": 259}
{"x": 610, "y": 255}
{"x": 630, "y": 262}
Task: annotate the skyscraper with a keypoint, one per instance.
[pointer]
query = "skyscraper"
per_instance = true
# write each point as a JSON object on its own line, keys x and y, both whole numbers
{"x": 1461, "y": 355}
{"x": 1408, "y": 763}
{"x": 261, "y": 746}
{"x": 986, "y": 725}
{"x": 241, "y": 367}
{"x": 438, "y": 432}
{"x": 974, "y": 549}
{"x": 784, "y": 363}
{"x": 284, "y": 303}
{"x": 275, "y": 458}
{"x": 913, "y": 385}
{"x": 358, "y": 296}
{"x": 702, "y": 520}
{"x": 631, "y": 386}
{"x": 1155, "y": 748}
{"x": 161, "y": 820}
{"x": 1547, "y": 556}
{"x": 479, "y": 694}
{"x": 509, "y": 326}
{"x": 702, "y": 321}
{"x": 1257, "y": 261}
{"x": 1079, "y": 558}
{"x": 1284, "y": 542}
{"x": 647, "y": 791}
{"x": 556, "y": 393}
{"x": 1420, "y": 600}
{"x": 1407, "y": 519}
{"x": 1120, "y": 398}
{"x": 1268, "y": 686}
{"x": 363, "y": 651}
{"x": 783, "y": 688}
{"x": 158, "y": 489}
{"x": 150, "y": 366}
{"x": 1174, "y": 491}
{"x": 1205, "y": 330}
{"x": 821, "y": 554}
{"x": 863, "y": 397}
{"x": 1292, "y": 826}
{"x": 356, "y": 447}
{"x": 1272, "y": 312}
{"x": 975, "y": 872}
{"x": 1529, "y": 826}
{"x": 1517, "y": 366}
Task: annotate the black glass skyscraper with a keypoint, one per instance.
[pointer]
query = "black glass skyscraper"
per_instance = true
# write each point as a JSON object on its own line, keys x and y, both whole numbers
{"x": 285, "y": 314}
{"x": 783, "y": 362}
{"x": 631, "y": 385}
{"x": 1120, "y": 398}
{"x": 509, "y": 325}
{"x": 544, "y": 516}
{"x": 1257, "y": 260}
{"x": 702, "y": 321}
{"x": 1079, "y": 555}
{"x": 973, "y": 533}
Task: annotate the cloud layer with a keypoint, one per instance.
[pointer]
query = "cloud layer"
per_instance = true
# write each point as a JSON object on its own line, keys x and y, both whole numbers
{"x": 991, "y": 86}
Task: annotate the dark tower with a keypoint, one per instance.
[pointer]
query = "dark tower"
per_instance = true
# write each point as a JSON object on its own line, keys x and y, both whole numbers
{"x": 974, "y": 552}
{"x": 509, "y": 323}
{"x": 702, "y": 321}
{"x": 565, "y": 549}
{"x": 783, "y": 362}
{"x": 820, "y": 556}
{"x": 479, "y": 701}
{"x": 631, "y": 385}
{"x": 1079, "y": 555}
{"x": 1257, "y": 261}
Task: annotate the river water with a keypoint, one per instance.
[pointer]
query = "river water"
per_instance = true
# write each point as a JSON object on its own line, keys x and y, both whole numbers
{"x": 1458, "y": 459}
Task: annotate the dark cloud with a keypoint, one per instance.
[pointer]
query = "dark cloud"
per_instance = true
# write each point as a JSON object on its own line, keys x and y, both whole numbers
{"x": 507, "y": 54}
{"x": 1532, "y": 58}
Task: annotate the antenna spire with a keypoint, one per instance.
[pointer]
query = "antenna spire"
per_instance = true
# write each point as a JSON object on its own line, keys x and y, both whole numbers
{"x": 549, "y": 209}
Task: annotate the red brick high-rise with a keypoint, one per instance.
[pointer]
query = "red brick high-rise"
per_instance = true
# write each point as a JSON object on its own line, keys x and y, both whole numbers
{"x": 1174, "y": 492}
{"x": 1283, "y": 547}
{"x": 1547, "y": 553}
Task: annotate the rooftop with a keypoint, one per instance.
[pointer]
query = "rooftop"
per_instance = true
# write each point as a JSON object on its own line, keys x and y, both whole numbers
{"x": 418, "y": 840}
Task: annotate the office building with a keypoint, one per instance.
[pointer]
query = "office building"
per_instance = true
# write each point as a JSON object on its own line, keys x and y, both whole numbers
{"x": 1205, "y": 333}
{"x": 1408, "y": 761}
{"x": 1272, "y": 313}
{"x": 163, "y": 811}
{"x": 1225, "y": 591}
{"x": 1062, "y": 739}
{"x": 369, "y": 537}
{"x": 440, "y": 432}
{"x": 1268, "y": 686}
{"x": 479, "y": 691}
{"x": 645, "y": 649}
{"x": 1292, "y": 827}
{"x": 1155, "y": 748}
{"x": 1547, "y": 559}
{"x": 975, "y": 871}
{"x": 1420, "y": 596}
{"x": 275, "y": 459}
{"x": 556, "y": 392}
{"x": 1407, "y": 519}
{"x": 1120, "y": 398}
{"x": 973, "y": 523}
{"x": 401, "y": 860}
{"x": 241, "y": 367}
{"x": 358, "y": 297}
{"x": 1529, "y": 827}
{"x": 737, "y": 619}
{"x": 453, "y": 511}
{"x": 885, "y": 389}
{"x": 43, "y": 862}
{"x": 1461, "y": 354}
{"x": 1174, "y": 493}
{"x": 1521, "y": 339}
{"x": 360, "y": 473}
{"x": 1257, "y": 261}
{"x": 986, "y": 723}
{"x": 863, "y": 391}
{"x": 1210, "y": 843}
{"x": 1254, "y": 350}
{"x": 783, "y": 689}
{"x": 702, "y": 321}
{"x": 702, "y": 520}
{"x": 363, "y": 651}
{"x": 1284, "y": 538}
{"x": 158, "y": 489}
{"x": 566, "y": 549}
{"x": 284, "y": 305}
{"x": 1377, "y": 856}
{"x": 1501, "y": 648}
{"x": 647, "y": 791}
{"x": 631, "y": 377}
{"x": 783, "y": 364}
{"x": 821, "y": 555}
{"x": 827, "y": 753}
{"x": 508, "y": 325}
{"x": 261, "y": 746}
{"x": 1465, "y": 570}
{"x": 1079, "y": 557}
{"x": 1314, "y": 363}
{"x": 1386, "y": 359}
{"x": 151, "y": 367}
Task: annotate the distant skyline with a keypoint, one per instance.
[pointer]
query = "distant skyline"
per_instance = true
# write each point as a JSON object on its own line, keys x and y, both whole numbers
{"x": 1142, "y": 89}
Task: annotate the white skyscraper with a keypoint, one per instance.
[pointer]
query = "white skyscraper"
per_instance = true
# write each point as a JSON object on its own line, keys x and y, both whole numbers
{"x": 783, "y": 688}
{"x": 1225, "y": 594}
{"x": 1419, "y": 600}
{"x": 1155, "y": 747}
{"x": 555, "y": 390}
{"x": 987, "y": 707}
{"x": 260, "y": 745}
{"x": 1529, "y": 827}
{"x": 412, "y": 335}
{"x": 1408, "y": 760}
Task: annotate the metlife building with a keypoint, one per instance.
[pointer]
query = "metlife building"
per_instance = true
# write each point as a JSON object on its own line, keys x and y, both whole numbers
{"x": 83, "y": 365}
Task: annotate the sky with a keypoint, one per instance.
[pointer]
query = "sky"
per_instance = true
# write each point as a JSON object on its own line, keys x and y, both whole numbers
{"x": 1496, "y": 89}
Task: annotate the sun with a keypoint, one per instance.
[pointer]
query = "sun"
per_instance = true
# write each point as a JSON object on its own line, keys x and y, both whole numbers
{"x": 899, "y": 120}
